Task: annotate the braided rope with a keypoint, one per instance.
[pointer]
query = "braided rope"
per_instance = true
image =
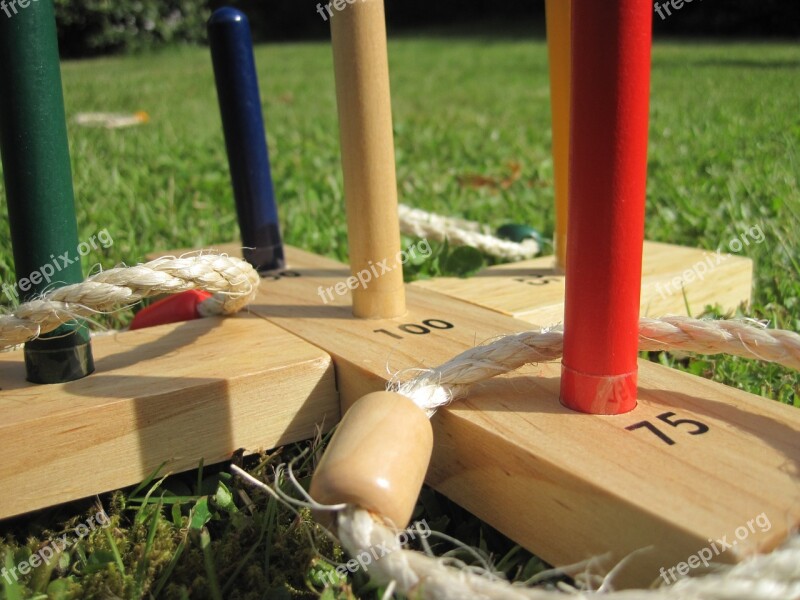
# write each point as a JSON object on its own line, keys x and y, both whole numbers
{"x": 420, "y": 223}
{"x": 773, "y": 576}
{"x": 744, "y": 338}
{"x": 233, "y": 281}
{"x": 436, "y": 387}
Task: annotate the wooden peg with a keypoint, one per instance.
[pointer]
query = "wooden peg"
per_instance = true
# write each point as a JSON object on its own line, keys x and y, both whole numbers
{"x": 38, "y": 183}
{"x": 370, "y": 182}
{"x": 558, "y": 49}
{"x": 377, "y": 459}
{"x": 607, "y": 189}
{"x": 243, "y": 124}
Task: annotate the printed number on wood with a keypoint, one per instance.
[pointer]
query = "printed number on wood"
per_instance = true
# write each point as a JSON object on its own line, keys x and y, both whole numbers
{"x": 417, "y": 329}
{"x": 283, "y": 275}
{"x": 667, "y": 417}
{"x": 537, "y": 280}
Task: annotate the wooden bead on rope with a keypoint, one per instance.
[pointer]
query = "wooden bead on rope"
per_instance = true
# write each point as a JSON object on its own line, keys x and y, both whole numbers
{"x": 377, "y": 459}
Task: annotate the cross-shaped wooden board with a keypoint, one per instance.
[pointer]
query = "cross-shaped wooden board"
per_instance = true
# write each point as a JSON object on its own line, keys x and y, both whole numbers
{"x": 695, "y": 461}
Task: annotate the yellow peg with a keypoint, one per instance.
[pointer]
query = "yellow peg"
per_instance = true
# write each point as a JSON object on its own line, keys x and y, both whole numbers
{"x": 558, "y": 46}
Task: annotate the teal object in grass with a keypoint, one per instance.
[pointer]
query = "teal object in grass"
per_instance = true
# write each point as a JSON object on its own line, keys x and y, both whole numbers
{"x": 516, "y": 232}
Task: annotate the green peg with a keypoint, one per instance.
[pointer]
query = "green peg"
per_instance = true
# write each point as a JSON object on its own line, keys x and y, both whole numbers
{"x": 38, "y": 181}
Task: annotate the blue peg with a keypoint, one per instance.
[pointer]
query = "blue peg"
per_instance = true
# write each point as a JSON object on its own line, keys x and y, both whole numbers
{"x": 245, "y": 139}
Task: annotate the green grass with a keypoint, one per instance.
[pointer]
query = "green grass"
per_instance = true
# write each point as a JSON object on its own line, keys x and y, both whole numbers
{"x": 724, "y": 144}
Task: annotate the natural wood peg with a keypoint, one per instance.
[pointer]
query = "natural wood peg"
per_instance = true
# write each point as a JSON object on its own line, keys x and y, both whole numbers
{"x": 363, "y": 97}
{"x": 377, "y": 459}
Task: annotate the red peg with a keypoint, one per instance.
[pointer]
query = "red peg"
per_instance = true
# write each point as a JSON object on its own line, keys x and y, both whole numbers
{"x": 608, "y": 167}
{"x": 173, "y": 309}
